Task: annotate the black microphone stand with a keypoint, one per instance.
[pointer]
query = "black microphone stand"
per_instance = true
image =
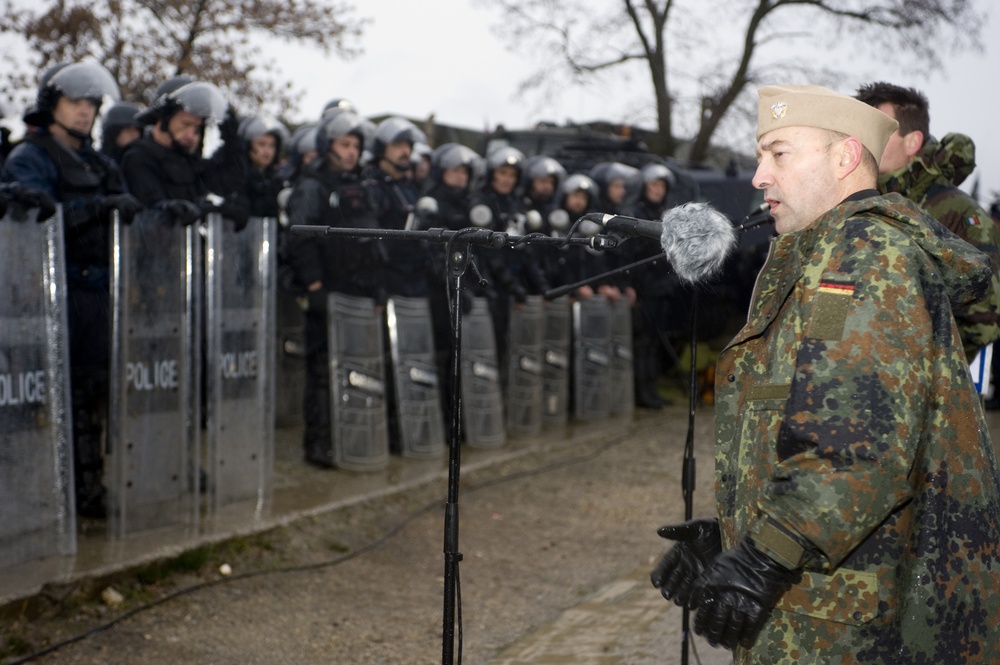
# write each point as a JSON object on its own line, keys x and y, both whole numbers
{"x": 459, "y": 258}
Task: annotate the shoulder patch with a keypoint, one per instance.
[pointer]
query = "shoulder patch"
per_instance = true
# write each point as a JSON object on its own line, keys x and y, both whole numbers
{"x": 830, "y": 309}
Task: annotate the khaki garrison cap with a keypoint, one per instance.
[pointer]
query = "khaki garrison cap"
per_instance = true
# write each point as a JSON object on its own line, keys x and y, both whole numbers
{"x": 814, "y": 106}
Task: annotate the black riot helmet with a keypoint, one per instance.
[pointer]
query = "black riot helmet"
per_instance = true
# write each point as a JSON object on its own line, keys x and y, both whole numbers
{"x": 395, "y": 129}
{"x": 257, "y": 125}
{"x": 336, "y": 125}
{"x": 197, "y": 98}
{"x": 78, "y": 80}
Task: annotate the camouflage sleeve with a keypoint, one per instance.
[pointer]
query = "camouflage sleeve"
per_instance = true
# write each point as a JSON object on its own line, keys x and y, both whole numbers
{"x": 851, "y": 427}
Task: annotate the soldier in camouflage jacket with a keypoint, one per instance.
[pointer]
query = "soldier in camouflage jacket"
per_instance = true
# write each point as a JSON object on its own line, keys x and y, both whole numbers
{"x": 928, "y": 172}
{"x": 858, "y": 494}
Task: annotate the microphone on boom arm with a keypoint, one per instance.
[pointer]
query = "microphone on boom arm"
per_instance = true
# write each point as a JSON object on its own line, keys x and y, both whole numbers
{"x": 695, "y": 237}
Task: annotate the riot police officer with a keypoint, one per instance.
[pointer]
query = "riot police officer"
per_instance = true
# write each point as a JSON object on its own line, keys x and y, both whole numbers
{"x": 390, "y": 183}
{"x": 663, "y": 306}
{"x": 540, "y": 179}
{"x": 119, "y": 128}
{"x": 164, "y": 168}
{"x": 244, "y": 170}
{"x": 330, "y": 193}
{"x": 60, "y": 160}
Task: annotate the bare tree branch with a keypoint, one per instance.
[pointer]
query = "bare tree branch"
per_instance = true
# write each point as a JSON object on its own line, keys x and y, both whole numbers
{"x": 919, "y": 30}
{"x": 143, "y": 42}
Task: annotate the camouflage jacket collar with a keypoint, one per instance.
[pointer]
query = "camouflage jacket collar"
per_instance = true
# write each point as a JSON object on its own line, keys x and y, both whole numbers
{"x": 945, "y": 162}
{"x": 963, "y": 269}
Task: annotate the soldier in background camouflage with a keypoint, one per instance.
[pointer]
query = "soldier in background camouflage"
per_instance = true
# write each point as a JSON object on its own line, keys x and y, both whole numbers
{"x": 928, "y": 172}
{"x": 858, "y": 495}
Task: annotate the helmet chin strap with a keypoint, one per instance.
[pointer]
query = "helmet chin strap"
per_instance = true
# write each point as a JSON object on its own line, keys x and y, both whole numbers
{"x": 174, "y": 144}
{"x": 75, "y": 133}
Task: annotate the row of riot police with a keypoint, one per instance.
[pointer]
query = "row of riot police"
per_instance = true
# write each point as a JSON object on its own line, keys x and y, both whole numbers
{"x": 149, "y": 164}
{"x": 345, "y": 172}
{"x": 341, "y": 172}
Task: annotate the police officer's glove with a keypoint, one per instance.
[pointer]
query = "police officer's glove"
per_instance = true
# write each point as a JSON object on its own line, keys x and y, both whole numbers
{"x": 183, "y": 211}
{"x": 32, "y": 198}
{"x": 229, "y": 129}
{"x": 735, "y": 595}
{"x": 316, "y": 301}
{"x": 698, "y": 542}
{"x": 518, "y": 293}
{"x": 126, "y": 205}
{"x": 237, "y": 213}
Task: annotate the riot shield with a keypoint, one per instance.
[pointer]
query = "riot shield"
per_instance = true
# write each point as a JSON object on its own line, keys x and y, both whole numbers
{"x": 557, "y": 353}
{"x": 525, "y": 367}
{"x": 415, "y": 377}
{"x": 36, "y": 473}
{"x": 622, "y": 367}
{"x": 592, "y": 358}
{"x": 482, "y": 397}
{"x": 359, "y": 423}
{"x": 155, "y": 410}
{"x": 240, "y": 340}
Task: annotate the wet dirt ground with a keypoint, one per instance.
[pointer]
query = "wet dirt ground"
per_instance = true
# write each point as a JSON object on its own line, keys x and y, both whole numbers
{"x": 557, "y": 536}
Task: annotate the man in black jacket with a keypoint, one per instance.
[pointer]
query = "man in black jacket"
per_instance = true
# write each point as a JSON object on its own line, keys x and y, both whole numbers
{"x": 330, "y": 193}
{"x": 59, "y": 160}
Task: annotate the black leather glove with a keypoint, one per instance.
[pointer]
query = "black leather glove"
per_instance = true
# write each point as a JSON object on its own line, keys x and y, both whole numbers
{"x": 698, "y": 543}
{"x": 126, "y": 205}
{"x": 32, "y": 198}
{"x": 735, "y": 595}
{"x": 317, "y": 301}
{"x": 235, "y": 212}
{"x": 183, "y": 211}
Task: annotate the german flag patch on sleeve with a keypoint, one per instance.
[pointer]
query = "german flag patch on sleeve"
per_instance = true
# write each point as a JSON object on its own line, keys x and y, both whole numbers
{"x": 833, "y": 303}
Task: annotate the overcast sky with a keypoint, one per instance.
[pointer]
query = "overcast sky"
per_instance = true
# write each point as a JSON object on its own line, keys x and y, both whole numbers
{"x": 462, "y": 72}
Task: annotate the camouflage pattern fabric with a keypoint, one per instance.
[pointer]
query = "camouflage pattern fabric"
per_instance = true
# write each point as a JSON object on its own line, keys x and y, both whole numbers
{"x": 931, "y": 180}
{"x": 845, "y": 413}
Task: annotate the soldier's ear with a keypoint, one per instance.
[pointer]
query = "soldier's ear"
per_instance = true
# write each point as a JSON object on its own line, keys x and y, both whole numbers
{"x": 849, "y": 156}
{"x": 913, "y": 142}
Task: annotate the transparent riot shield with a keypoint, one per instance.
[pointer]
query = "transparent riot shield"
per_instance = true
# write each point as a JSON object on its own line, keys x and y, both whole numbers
{"x": 482, "y": 396}
{"x": 358, "y": 417}
{"x": 240, "y": 348}
{"x": 37, "y": 518}
{"x": 557, "y": 352}
{"x": 592, "y": 358}
{"x": 622, "y": 368}
{"x": 415, "y": 377}
{"x": 155, "y": 410}
{"x": 525, "y": 367}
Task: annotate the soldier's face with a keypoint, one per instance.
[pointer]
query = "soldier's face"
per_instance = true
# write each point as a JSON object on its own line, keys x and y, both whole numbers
{"x": 901, "y": 148}
{"x": 796, "y": 170}
{"x": 345, "y": 151}
{"x": 76, "y": 114}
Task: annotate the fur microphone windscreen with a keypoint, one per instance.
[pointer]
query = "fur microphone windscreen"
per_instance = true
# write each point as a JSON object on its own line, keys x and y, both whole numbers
{"x": 697, "y": 239}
